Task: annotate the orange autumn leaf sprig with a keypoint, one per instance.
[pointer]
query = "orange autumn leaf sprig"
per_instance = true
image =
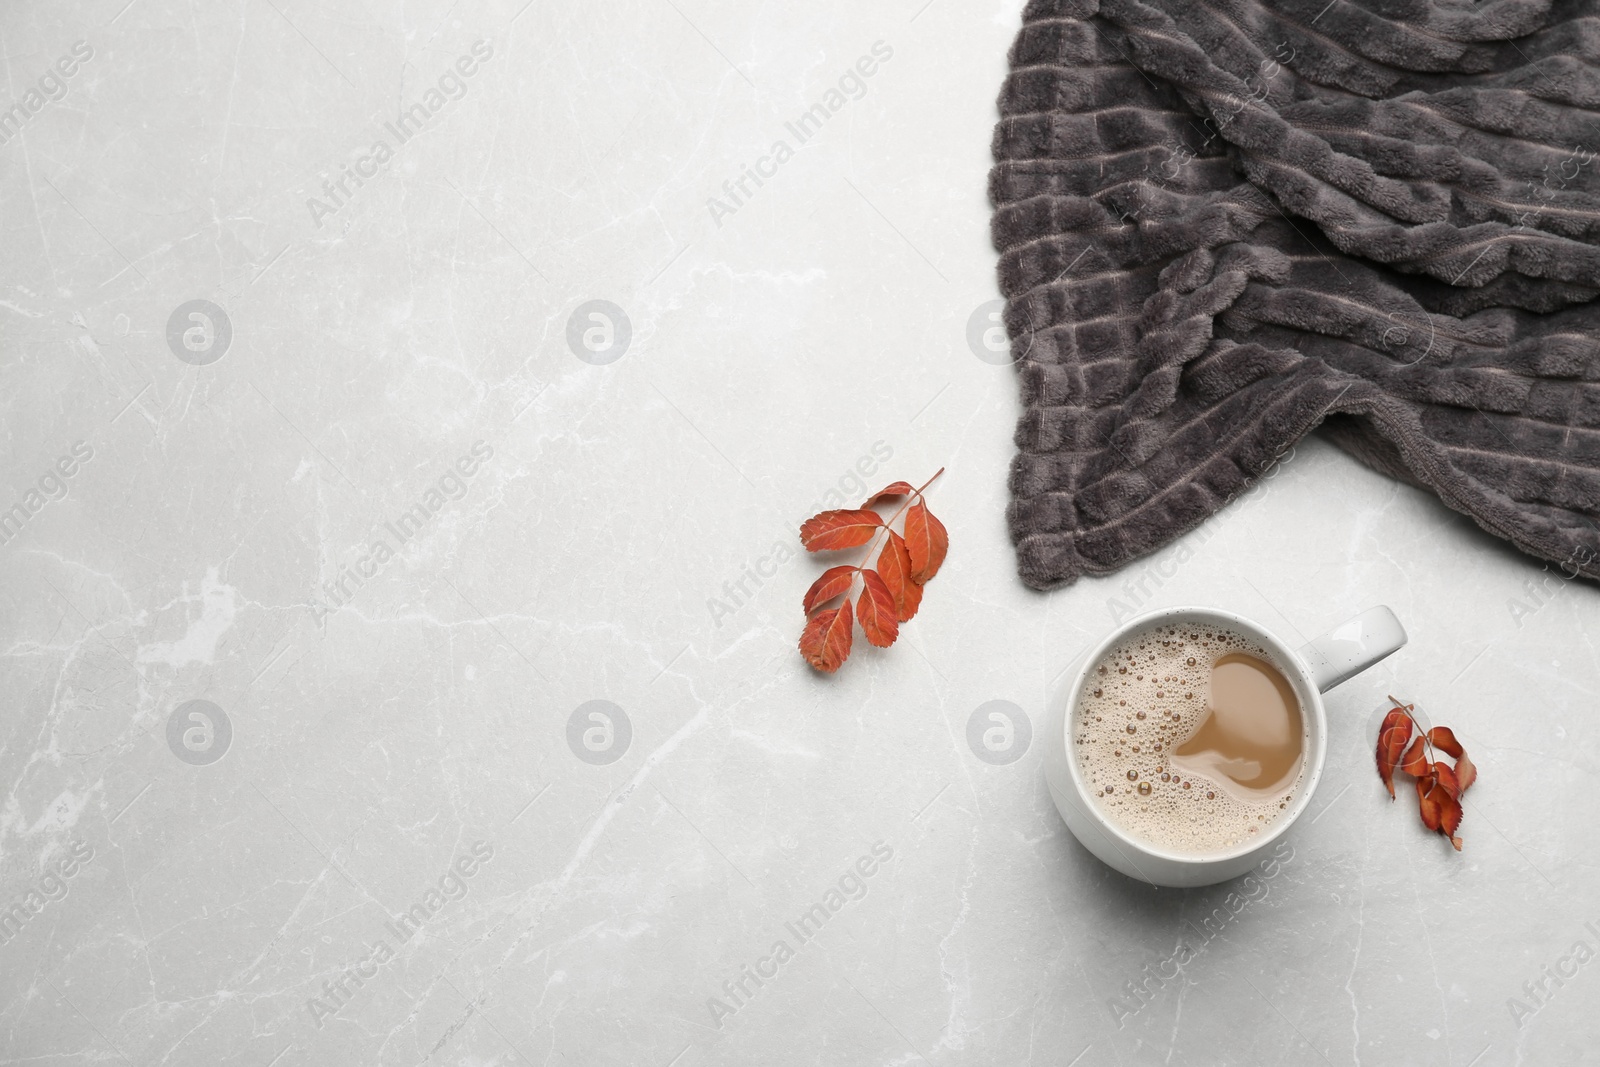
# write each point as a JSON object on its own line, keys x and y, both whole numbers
{"x": 1439, "y": 785}
{"x": 891, "y": 593}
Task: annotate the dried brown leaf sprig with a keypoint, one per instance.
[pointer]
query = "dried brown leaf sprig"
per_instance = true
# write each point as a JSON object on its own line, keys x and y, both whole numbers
{"x": 890, "y": 593}
{"x": 1439, "y": 784}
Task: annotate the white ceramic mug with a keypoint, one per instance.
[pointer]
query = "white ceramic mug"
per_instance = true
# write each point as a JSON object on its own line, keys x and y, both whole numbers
{"x": 1319, "y": 665}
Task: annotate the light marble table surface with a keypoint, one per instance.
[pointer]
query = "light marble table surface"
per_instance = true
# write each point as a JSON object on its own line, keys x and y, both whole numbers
{"x": 244, "y": 347}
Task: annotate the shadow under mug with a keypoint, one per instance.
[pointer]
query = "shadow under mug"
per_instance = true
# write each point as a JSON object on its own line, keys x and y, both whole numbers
{"x": 1312, "y": 669}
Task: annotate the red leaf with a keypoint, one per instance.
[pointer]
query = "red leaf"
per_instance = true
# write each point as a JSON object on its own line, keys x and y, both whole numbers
{"x": 826, "y": 641}
{"x": 1447, "y": 779}
{"x": 894, "y": 565}
{"x": 875, "y": 608}
{"x": 1466, "y": 772}
{"x": 927, "y": 541}
{"x": 1445, "y": 741}
{"x": 1392, "y": 738}
{"x": 1427, "y": 803}
{"x": 1441, "y": 812}
{"x": 1450, "y": 818}
{"x": 1416, "y": 761}
{"x": 834, "y": 580}
{"x": 839, "y": 529}
{"x": 892, "y": 489}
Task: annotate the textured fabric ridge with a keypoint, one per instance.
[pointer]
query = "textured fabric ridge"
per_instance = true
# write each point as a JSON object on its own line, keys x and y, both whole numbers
{"x": 1222, "y": 223}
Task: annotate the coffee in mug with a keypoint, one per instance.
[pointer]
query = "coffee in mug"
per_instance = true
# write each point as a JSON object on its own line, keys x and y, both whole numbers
{"x": 1189, "y": 737}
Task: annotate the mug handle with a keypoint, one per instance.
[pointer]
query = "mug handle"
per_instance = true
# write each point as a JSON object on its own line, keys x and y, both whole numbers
{"x": 1352, "y": 646}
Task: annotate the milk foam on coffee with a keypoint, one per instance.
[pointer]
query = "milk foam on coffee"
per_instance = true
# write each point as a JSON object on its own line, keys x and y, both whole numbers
{"x": 1189, "y": 737}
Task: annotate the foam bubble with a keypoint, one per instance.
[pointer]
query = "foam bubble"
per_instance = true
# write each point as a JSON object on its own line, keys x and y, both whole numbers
{"x": 1144, "y": 698}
